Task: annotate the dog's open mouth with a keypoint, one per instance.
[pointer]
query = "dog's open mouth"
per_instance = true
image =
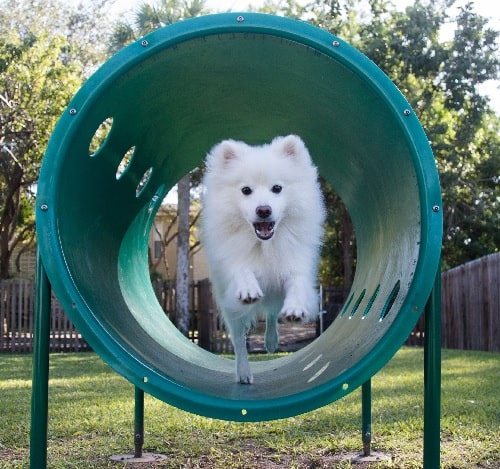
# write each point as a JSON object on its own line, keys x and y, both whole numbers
{"x": 264, "y": 229}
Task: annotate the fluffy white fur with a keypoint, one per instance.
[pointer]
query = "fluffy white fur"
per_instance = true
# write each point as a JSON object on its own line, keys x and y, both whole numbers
{"x": 262, "y": 224}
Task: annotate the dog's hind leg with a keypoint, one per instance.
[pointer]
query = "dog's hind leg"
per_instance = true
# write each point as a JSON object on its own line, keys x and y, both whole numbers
{"x": 244, "y": 374}
{"x": 238, "y": 329}
{"x": 271, "y": 338}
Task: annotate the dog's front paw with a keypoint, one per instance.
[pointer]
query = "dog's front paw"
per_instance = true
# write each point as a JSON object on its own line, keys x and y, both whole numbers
{"x": 294, "y": 314}
{"x": 249, "y": 293}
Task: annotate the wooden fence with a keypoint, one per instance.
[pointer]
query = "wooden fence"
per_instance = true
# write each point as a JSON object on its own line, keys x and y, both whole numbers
{"x": 16, "y": 321}
{"x": 17, "y": 306}
{"x": 470, "y": 313}
{"x": 205, "y": 325}
{"x": 470, "y": 307}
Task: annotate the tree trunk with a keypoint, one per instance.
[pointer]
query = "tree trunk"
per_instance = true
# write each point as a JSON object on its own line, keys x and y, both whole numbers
{"x": 182, "y": 290}
{"x": 8, "y": 218}
{"x": 348, "y": 249}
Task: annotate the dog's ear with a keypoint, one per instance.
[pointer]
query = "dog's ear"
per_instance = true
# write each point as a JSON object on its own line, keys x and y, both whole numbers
{"x": 228, "y": 151}
{"x": 292, "y": 146}
{"x": 222, "y": 154}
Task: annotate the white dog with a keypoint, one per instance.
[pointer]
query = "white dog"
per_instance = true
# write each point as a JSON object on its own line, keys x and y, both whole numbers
{"x": 262, "y": 224}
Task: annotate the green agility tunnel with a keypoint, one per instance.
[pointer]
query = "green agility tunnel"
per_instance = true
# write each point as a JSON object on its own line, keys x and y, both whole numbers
{"x": 168, "y": 99}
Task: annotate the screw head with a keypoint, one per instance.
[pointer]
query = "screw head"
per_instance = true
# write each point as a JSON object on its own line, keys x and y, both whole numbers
{"x": 72, "y": 111}
{"x": 435, "y": 208}
{"x": 44, "y": 207}
{"x": 335, "y": 43}
{"x": 240, "y": 19}
{"x": 406, "y": 112}
{"x": 144, "y": 43}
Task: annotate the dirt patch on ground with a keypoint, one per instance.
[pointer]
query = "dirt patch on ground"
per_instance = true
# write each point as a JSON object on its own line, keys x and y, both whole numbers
{"x": 292, "y": 337}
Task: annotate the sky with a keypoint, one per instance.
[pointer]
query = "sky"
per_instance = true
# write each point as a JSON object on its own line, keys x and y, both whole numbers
{"x": 487, "y": 8}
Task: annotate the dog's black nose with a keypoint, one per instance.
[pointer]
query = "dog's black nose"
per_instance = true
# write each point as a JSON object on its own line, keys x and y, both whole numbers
{"x": 263, "y": 211}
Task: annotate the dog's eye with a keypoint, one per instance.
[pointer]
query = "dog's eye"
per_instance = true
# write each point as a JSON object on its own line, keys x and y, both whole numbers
{"x": 276, "y": 189}
{"x": 246, "y": 190}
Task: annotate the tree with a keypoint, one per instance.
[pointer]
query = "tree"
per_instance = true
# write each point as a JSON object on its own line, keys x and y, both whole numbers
{"x": 151, "y": 16}
{"x": 165, "y": 229}
{"x": 470, "y": 170}
{"x": 442, "y": 85}
{"x": 35, "y": 86}
{"x": 440, "y": 79}
{"x": 84, "y": 26}
{"x": 182, "y": 280}
{"x": 42, "y": 64}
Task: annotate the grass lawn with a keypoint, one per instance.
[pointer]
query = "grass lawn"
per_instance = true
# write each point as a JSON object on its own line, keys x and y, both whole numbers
{"x": 91, "y": 418}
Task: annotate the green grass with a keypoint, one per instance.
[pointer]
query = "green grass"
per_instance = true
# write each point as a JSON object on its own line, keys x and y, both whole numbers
{"x": 91, "y": 418}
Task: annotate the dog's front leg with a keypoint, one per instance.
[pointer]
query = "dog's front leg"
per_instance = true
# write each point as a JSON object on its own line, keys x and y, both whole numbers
{"x": 271, "y": 338}
{"x": 248, "y": 290}
{"x": 242, "y": 292}
{"x": 300, "y": 300}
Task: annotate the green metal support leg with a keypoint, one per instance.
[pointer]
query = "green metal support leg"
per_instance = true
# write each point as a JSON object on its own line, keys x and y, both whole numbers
{"x": 40, "y": 386}
{"x": 432, "y": 378}
{"x": 138, "y": 423}
{"x": 366, "y": 416}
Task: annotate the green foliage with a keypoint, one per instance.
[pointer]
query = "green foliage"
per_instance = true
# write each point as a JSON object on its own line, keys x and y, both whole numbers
{"x": 91, "y": 418}
{"x": 440, "y": 77}
{"x": 35, "y": 85}
{"x": 84, "y": 27}
{"x": 338, "y": 253}
{"x": 46, "y": 51}
{"x": 150, "y": 16}
{"x": 441, "y": 80}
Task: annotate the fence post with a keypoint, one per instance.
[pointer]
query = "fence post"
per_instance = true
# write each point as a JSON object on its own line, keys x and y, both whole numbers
{"x": 40, "y": 389}
{"x": 204, "y": 329}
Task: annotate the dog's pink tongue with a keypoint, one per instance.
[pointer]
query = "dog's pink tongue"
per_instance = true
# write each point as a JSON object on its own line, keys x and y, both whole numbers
{"x": 264, "y": 229}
